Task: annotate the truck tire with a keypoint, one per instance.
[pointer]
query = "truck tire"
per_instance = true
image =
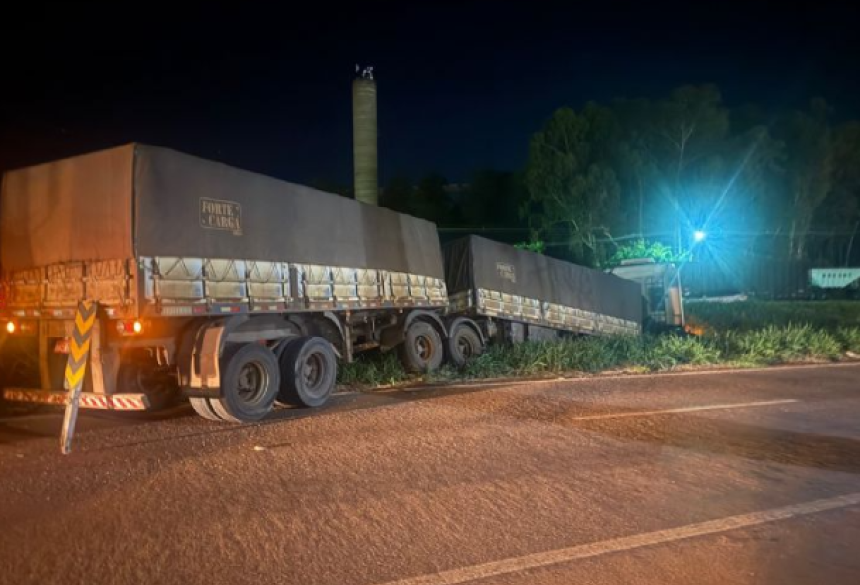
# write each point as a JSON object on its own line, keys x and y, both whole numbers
{"x": 250, "y": 379}
{"x": 422, "y": 349}
{"x": 463, "y": 345}
{"x": 308, "y": 372}
{"x": 203, "y": 408}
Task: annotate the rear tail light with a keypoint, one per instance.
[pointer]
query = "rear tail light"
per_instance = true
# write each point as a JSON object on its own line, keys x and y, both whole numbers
{"x": 129, "y": 327}
{"x": 28, "y": 328}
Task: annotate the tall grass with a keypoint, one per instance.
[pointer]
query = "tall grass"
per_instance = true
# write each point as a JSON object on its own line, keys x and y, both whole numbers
{"x": 670, "y": 351}
{"x": 754, "y": 333}
{"x": 750, "y": 315}
{"x": 372, "y": 369}
{"x": 592, "y": 354}
{"x": 849, "y": 337}
{"x": 781, "y": 344}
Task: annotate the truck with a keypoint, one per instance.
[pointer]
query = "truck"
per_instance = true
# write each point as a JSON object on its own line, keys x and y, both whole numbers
{"x": 240, "y": 291}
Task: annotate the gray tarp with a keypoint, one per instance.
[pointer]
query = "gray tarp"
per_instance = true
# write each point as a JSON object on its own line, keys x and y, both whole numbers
{"x": 80, "y": 209}
{"x": 475, "y": 262}
{"x": 74, "y": 209}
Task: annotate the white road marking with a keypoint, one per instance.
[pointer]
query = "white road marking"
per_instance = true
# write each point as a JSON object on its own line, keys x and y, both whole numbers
{"x": 626, "y": 543}
{"x": 685, "y": 409}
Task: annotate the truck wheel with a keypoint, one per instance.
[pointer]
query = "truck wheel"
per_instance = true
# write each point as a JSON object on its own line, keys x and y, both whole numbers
{"x": 308, "y": 372}
{"x": 249, "y": 383}
{"x": 422, "y": 350}
{"x": 203, "y": 408}
{"x": 463, "y": 345}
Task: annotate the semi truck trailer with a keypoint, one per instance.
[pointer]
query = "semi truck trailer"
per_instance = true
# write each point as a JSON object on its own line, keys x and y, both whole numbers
{"x": 240, "y": 291}
{"x": 504, "y": 294}
{"x": 237, "y": 289}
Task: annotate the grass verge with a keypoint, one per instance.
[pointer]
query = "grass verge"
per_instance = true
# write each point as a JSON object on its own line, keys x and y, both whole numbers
{"x": 753, "y": 315}
{"x": 738, "y": 334}
{"x": 771, "y": 345}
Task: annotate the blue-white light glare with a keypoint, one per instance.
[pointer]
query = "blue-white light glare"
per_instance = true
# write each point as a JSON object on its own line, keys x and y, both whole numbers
{"x": 699, "y": 236}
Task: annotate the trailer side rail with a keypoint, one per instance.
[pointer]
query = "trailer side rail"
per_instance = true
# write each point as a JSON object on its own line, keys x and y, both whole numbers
{"x": 534, "y": 311}
{"x": 193, "y": 286}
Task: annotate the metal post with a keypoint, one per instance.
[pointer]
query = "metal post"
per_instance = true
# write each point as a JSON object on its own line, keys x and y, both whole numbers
{"x": 71, "y": 417}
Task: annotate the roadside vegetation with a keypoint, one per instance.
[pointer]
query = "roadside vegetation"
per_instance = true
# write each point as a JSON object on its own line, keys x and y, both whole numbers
{"x": 751, "y": 315}
{"x": 743, "y": 334}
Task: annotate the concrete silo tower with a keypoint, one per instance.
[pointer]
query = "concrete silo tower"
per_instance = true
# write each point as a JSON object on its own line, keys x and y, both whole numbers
{"x": 365, "y": 159}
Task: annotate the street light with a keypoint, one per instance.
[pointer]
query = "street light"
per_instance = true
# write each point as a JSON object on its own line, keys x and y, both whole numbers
{"x": 699, "y": 236}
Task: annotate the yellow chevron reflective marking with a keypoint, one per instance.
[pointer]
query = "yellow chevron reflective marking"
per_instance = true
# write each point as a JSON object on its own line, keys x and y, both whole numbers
{"x": 74, "y": 378}
{"x": 79, "y": 345}
{"x": 84, "y": 326}
{"x": 78, "y": 352}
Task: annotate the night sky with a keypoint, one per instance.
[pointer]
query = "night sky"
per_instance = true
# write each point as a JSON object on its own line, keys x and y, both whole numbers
{"x": 462, "y": 85}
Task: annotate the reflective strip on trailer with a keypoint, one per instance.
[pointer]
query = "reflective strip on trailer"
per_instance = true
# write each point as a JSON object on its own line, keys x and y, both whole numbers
{"x": 88, "y": 399}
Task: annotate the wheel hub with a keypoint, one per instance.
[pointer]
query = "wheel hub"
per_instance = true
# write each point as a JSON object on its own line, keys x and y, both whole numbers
{"x": 423, "y": 347}
{"x": 312, "y": 371}
{"x": 253, "y": 381}
{"x": 464, "y": 347}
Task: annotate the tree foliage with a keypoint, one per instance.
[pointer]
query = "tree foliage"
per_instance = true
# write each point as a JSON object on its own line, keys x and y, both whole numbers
{"x": 766, "y": 185}
{"x": 536, "y": 246}
{"x": 573, "y": 189}
{"x": 642, "y": 248}
{"x": 663, "y": 169}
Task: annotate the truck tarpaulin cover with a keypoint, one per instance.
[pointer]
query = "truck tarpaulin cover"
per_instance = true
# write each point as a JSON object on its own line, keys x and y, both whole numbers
{"x": 74, "y": 209}
{"x": 472, "y": 263}
{"x": 82, "y": 209}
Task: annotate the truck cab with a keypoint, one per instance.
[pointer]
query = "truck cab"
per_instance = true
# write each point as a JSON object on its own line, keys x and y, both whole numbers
{"x": 662, "y": 299}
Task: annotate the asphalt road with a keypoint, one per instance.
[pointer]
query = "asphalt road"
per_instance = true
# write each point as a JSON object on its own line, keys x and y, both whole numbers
{"x": 749, "y": 477}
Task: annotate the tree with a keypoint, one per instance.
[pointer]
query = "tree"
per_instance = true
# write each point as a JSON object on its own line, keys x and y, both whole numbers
{"x": 572, "y": 189}
{"x": 685, "y": 163}
{"x": 759, "y": 184}
{"x": 677, "y": 143}
{"x": 809, "y": 171}
{"x": 840, "y": 211}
